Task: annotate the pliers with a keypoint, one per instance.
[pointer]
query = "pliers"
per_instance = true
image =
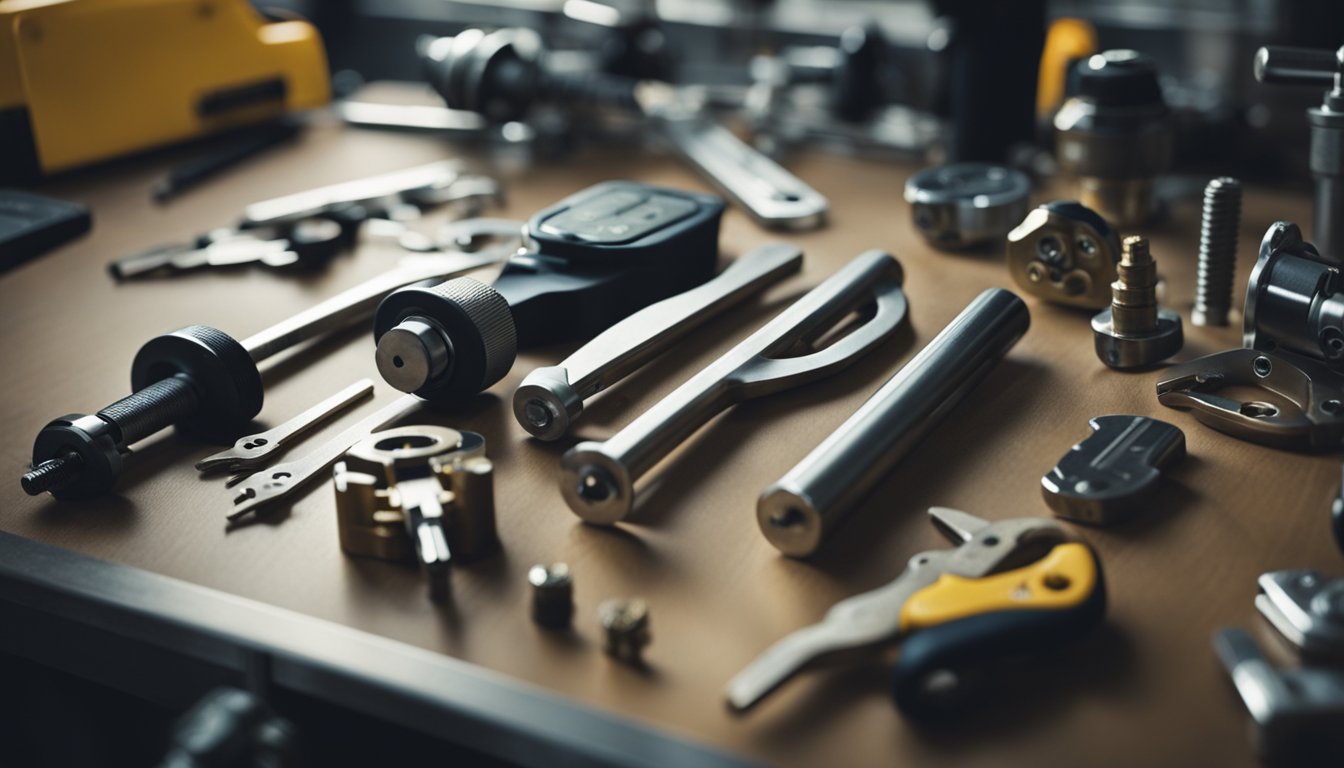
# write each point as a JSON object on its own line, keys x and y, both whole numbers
{"x": 1010, "y": 586}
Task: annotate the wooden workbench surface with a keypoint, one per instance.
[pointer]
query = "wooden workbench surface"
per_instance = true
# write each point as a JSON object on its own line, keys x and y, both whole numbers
{"x": 1145, "y": 690}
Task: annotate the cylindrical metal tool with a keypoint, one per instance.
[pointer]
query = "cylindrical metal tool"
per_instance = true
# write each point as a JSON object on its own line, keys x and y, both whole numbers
{"x": 1217, "y": 252}
{"x": 803, "y": 507}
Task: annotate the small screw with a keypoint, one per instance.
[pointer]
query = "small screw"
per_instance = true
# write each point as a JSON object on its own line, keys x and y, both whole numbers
{"x": 552, "y": 595}
{"x": 52, "y": 473}
{"x": 1217, "y": 252}
{"x": 626, "y": 623}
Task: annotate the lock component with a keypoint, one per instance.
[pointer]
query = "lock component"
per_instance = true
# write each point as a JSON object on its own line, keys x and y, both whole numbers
{"x": 1065, "y": 253}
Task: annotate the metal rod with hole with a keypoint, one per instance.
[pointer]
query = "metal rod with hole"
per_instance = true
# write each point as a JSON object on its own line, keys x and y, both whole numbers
{"x": 798, "y": 511}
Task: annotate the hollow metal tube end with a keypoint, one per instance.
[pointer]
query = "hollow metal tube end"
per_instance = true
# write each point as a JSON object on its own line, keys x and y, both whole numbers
{"x": 789, "y": 520}
{"x": 545, "y": 404}
{"x": 596, "y": 486}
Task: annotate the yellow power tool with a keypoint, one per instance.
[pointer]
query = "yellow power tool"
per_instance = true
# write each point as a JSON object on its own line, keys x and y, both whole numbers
{"x": 86, "y": 80}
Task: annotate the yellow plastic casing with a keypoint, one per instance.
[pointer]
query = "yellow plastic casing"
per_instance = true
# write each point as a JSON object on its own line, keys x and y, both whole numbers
{"x": 1064, "y": 578}
{"x": 101, "y": 79}
{"x": 1066, "y": 41}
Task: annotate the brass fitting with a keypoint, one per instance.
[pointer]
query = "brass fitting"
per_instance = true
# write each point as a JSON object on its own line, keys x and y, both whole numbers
{"x": 1063, "y": 252}
{"x": 417, "y": 493}
{"x": 1134, "y": 332}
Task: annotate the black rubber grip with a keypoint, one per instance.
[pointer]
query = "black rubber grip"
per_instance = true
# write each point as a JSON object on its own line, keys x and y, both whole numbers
{"x": 592, "y": 88}
{"x": 159, "y": 405}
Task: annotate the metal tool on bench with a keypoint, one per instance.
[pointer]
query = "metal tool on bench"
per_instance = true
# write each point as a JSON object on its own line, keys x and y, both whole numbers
{"x": 203, "y": 381}
{"x": 550, "y": 398}
{"x": 798, "y": 511}
{"x": 252, "y": 452}
{"x": 1111, "y": 475}
{"x": 309, "y": 242}
{"x": 966, "y": 204}
{"x": 1293, "y": 332}
{"x": 1065, "y": 253}
{"x": 1307, "y": 609}
{"x": 598, "y": 479}
{"x": 596, "y": 257}
{"x": 1010, "y": 586}
{"x": 504, "y": 73}
{"x": 1134, "y": 332}
{"x": 268, "y": 487}
{"x": 1297, "y": 712}
{"x": 418, "y": 493}
{"x": 1299, "y": 66}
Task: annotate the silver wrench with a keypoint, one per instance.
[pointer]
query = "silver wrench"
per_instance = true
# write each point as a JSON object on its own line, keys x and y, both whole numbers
{"x": 252, "y": 451}
{"x": 597, "y": 479}
{"x": 551, "y": 398}
{"x": 283, "y": 480}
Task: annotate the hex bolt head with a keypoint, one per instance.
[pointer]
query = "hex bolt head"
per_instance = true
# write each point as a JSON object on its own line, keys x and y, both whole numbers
{"x": 552, "y": 595}
{"x": 625, "y": 622}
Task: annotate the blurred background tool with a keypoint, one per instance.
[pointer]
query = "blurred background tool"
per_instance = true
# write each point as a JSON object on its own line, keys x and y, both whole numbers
{"x": 31, "y": 225}
{"x": 248, "y": 143}
{"x": 146, "y": 74}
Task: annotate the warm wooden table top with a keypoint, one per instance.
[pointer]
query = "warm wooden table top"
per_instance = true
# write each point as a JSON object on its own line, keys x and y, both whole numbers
{"x": 1146, "y": 690}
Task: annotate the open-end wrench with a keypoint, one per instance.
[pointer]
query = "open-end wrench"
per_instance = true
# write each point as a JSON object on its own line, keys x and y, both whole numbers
{"x": 551, "y": 398}
{"x": 597, "y": 479}
{"x": 252, "y": 451}
{"x": 283, "y": 480}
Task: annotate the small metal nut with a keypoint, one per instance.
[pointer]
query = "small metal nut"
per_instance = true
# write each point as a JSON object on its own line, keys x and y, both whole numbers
{"x": 552, "y": 595}
{"x": 626, "y": 624}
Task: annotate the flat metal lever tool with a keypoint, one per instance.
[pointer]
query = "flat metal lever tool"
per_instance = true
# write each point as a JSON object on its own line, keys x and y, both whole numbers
{"x": 1297, "y": 712}
{"x": 1110, "y": 475}
{"x": 1008, "y": 586}
{"x": 551, "y": 398}
{"x": 597, "y": 479}
{"x": 283, "y": 480}
{"x": 253, "y": 451}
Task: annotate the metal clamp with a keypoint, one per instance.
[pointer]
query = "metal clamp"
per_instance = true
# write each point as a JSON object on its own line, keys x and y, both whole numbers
{"x": 597, "y": 479}
{"x": 418, "y": 492}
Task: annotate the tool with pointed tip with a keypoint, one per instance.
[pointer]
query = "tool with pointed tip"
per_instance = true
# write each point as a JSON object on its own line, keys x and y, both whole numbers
{"x": 1009, "y": 586}
{"x": 1111, "y": 475}
{"x": 598, "y": 479}
{"x": 551, "y": 398}
{"x": 253, "y": 451}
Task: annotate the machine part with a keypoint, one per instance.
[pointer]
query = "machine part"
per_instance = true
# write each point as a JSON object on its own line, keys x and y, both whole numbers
{"x": 597, "y": 480}
{"x": 31, "y": 225}
{"x": 1298, "y": 66}
{"x": 549, "y": 399}
{"x": 121, "y": 78}
{"x": 306, "y": 243}
{"x": 1294, "y": 300}
{"x": 254, "y": 451}
{"x": 600, "y": 255}
{"x": 625, "y": 627}
{"x": 1115, "y": 133}
{"x": 1337, "y": 517}
{"x": 801, "y": 509}
{"x": 231, "y": 728}
{"x": 269, "y": 486}
{"x": 503, "y": 74}
{"x": 1135, "y": 332}
{"x": 1306, "y": 609}
{"x": 1306, "y": 411}
{"x": 1009, "y": 586}
{"x": 417, "y": 493}
{"x": 956, "y": 206}
{"x": 1217, "y": 252}
{"x": 1111, "y": 475}
{"x": 552, "y": 595}
{"x": 205, "y": 382}
{"x": 1297, "y": 712}
{"x": 1064, "y": 253}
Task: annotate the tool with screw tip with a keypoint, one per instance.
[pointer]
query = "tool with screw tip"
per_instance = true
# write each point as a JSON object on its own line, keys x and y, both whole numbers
{"x": 418, "y": 493}
{"x": 798, "y": 511}
{"x": 1306, "y": 609}
{"x": 550, "y": 398}
{"x": 253, "y": 451}
{"x": 552, "y": 595}
{"x": 1300, "y": 66}
{"x": 1217, "y": 252}
{"x": 625, "y": 627}
{"x": 1115, "y": 133}
{"x": 966, "y": 204}
{"x": 1063, "y": 252}
{"x": 202, "y": 380}
{"x": 600, "y": 255}
{"x": 1110, "y": 475}
{"x": 504, "y": 73}
{"x": 1293, "y": 332}
{"x": 1009, "y": 586}
{"x": 598, "y": 479}
{"x": 270, "y": 486}
{"x": 1135, "y": 332}
{"x": 1297, "y": 712}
